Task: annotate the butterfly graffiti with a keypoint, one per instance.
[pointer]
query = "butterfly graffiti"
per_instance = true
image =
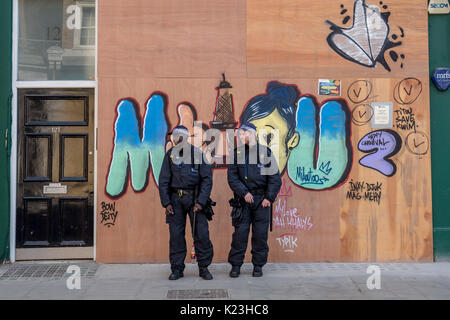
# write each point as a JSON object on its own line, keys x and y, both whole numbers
{"x": 367, "y": 40}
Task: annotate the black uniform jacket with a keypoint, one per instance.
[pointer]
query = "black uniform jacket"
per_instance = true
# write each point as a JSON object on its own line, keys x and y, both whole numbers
{"x": 175, "y": 176}
{"x": 245, "y": 175}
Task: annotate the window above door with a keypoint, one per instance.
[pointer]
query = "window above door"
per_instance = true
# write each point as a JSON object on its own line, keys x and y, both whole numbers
{"x": 56, "y": 40}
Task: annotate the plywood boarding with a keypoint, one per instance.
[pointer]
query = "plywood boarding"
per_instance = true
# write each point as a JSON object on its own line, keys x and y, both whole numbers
{"x": 288, "y": 38}
{"x": 140, "y": 52}
{"x": 172, "y": 38}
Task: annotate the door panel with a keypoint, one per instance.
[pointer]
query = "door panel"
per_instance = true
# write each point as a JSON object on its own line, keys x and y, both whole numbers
{"x": 37, "y": 221}
{"x": 37, "y": 158}
{"x": 73, "y": 157}
{"x": 74, "y": 214}
{"x": 55, "y": 168}
{"x": 63, "y": 110}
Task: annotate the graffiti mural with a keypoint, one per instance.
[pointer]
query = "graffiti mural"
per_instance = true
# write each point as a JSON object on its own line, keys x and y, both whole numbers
{"x": 381, "y": 146}
{"x": 274, "y": 116}
{"x": 108, "y": 214}
{"x": 407, "y": 91}
{"x": 367, "y": 40}
{"x": 137, "y": 147}
{"x": 288, "y": 242}
{"x": 323, "y": 157}
{"x": 362, "y": 114}
{"x": 359, "y": 91}
{"x": 312, "y": 141}
{"x": 405, "y": 119}
{"x": 417, "y": 143}
{"x": 364, "y": 191}
{"x": 288, "y": 220}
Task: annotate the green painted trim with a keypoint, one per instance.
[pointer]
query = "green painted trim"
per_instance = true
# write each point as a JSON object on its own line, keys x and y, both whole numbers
{"x": 5, "y": 124}
{"x": 439, "y": 39}
{"x": 442, "y": 244}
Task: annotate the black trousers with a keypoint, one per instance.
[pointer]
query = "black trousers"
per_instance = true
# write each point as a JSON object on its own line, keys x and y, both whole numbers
{"x": 259, "y": 219}
{"x": 177, "y": 226}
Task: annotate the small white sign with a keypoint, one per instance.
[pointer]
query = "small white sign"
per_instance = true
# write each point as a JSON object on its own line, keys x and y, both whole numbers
{"x": 55, "y": 188}
{"x": 382, "y": 114}
{"x": 439, "y": 7}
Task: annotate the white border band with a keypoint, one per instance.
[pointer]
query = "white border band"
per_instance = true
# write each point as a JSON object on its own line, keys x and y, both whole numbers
{"x": 14, "y": 113}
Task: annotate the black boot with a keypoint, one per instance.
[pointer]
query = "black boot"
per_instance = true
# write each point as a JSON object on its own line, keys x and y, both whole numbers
{"x": 175, "y": 275}
{"x": 235, "y": 271}
{"x": 257, "y": 271}
{"x": 205, "y": 274}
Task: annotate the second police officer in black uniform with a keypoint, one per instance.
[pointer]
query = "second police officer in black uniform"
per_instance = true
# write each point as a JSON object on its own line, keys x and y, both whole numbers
{"x": 255, "y": 180}
{"x": 185, "y": 184}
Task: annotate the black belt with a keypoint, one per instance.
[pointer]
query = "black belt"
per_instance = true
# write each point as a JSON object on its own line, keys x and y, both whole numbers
{"x": 183, "y": 192}
{"x": 259, "y": 191}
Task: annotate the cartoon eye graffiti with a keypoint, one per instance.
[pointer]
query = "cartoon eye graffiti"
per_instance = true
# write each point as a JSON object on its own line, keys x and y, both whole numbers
{"x": 268, "y": 138}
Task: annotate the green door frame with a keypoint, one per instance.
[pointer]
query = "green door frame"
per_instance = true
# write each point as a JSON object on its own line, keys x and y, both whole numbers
{"x": 5, "y": 125}
{"x": 439, "y": 38}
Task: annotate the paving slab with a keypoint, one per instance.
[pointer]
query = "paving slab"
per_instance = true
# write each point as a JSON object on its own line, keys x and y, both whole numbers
{"x": 281, "y": 281}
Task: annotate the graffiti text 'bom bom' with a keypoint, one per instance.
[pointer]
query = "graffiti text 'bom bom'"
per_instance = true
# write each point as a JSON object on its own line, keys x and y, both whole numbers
{"x": 320, "y": 160}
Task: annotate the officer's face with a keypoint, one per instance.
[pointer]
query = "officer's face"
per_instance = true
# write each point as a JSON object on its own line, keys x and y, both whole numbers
{"x": 244, "y": 136}
{"x": 179, "y": 138}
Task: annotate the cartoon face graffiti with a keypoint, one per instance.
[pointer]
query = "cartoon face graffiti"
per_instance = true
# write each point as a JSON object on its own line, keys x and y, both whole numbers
{"x": 273, "y": 115}
{"x": 309, "y": 139}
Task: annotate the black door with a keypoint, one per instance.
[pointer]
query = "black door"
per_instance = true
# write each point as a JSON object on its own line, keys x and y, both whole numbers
{"x": 55, "y": 192}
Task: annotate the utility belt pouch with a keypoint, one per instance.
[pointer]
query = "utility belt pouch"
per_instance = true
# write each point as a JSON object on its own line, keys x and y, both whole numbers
{"x": 237, "y": 210}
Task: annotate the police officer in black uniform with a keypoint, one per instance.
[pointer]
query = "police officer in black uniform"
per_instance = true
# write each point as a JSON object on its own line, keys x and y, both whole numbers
{"x": 256, "y": 182}
{"x": 183, "y": 170}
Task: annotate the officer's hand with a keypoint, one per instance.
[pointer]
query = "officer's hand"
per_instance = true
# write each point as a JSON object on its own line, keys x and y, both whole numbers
{"x": 248, "y": 198}
{"x": 198, "y": 207}
{"x": 265, "y": 203}
{"x": 169, "y": 210}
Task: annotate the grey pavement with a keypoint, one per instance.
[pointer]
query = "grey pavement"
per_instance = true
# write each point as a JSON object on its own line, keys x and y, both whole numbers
{"x": 281, "y": 281}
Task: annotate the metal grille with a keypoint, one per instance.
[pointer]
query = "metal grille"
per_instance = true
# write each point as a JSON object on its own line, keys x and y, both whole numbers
{"x": 45, "y": 271}
{"x": 197, "y": 294}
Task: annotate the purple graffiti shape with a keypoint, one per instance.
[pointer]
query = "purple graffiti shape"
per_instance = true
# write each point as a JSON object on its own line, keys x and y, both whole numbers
{"x": 381, "y": 146}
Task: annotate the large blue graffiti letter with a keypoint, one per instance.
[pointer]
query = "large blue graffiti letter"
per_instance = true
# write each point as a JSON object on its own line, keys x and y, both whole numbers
{"x": 323, "y": 158}
{"x": 137, "y": 148}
